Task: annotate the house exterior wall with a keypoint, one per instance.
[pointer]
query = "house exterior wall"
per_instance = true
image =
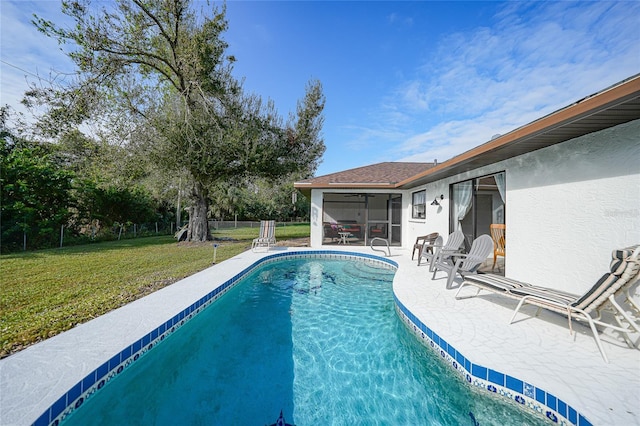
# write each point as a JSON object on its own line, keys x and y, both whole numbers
{"x": 570, "y": 205}
{"x": 567, "y": 207}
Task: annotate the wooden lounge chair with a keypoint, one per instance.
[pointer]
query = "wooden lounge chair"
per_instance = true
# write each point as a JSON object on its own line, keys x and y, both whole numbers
{"x": 267, "y": 235}
{"x": 624, "y": 273}
{"x": 463, "y": 264}
{"x": 438, "y": 251}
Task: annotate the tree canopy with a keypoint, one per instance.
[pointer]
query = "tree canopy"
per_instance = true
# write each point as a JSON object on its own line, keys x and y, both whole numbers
{"x": 155, "y": 76}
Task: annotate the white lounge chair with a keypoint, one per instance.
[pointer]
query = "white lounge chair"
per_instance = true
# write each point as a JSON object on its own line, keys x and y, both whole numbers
{"x": 464, "y": 264}
{"x": 267, "y": 235}
{"x": 439, "y": 251}
{"x": 624, "y": 273}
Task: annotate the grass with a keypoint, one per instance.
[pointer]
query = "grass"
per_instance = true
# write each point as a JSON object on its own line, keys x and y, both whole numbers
{"x": 46, "y": 292}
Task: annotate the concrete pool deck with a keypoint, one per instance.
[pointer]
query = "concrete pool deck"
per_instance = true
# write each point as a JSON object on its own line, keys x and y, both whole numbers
{"x": 539, "y": 351}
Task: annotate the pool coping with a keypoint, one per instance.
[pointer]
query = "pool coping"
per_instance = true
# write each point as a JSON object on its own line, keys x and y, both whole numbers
{"x": 36, "y": 391}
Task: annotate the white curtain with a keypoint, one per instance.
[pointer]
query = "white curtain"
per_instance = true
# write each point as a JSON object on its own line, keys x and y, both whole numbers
{"x": 501, "y": 184}
{"x": 462, "y": 200}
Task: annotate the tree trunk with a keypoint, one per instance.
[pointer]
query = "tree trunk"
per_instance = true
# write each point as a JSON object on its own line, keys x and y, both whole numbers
{"x": 198, "y": 222}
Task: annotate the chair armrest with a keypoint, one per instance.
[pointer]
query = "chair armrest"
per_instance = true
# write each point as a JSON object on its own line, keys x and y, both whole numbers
{"x": 459, "y": 255}
{"x": 426, "y": 244}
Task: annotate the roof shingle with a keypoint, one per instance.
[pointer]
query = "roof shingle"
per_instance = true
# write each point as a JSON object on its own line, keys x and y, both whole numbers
{"x": 385, "y": 174}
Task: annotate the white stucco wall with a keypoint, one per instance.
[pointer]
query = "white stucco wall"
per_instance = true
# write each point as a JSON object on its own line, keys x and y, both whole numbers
{"x": 567, "y": 207}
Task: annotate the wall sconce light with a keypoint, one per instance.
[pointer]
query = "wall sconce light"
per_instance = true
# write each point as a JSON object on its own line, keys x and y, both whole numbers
{"x": 435, "y": 201}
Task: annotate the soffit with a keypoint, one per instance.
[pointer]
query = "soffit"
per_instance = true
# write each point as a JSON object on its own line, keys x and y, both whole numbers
{"x": 611, "y": 107}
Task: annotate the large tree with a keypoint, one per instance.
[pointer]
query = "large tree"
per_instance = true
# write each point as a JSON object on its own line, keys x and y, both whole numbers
{"x": 157, "y": 71}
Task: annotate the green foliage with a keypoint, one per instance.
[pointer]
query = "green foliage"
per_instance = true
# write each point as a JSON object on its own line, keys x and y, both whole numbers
{"x": 46, "y": 292}
{"x": 111, "y": 204}
{"x": 35, "y": 196}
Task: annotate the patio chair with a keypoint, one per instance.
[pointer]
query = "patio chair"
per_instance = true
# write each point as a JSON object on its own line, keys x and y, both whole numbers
{"x": 267, "y": 235}
{"x": 440, "y": 251}
{"x": 464, "y": 264}
{"x": 498, "y": 234}
{"x": 624, "y": 273}
{"x": 428, "y": 253}
{"x": 424, "y": 242}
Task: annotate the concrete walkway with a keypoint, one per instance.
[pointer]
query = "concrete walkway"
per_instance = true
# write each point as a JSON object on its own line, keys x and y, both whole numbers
{"x": 538, "y": 351}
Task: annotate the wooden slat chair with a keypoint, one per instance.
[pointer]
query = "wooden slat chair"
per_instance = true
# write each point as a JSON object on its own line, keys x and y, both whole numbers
{"x": 498, "y": 235}
{"x": 424, "y": 242}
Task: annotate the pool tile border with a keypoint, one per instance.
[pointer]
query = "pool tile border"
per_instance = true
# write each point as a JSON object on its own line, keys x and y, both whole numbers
{"x": 96, "y": 380}
{"x": 486, "y": 379}
{"x": 480, "y": 377}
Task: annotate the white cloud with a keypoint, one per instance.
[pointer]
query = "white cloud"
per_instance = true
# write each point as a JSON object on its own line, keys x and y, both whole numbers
{"x": 536, "y": 59}
{"x": 28, "y": 55}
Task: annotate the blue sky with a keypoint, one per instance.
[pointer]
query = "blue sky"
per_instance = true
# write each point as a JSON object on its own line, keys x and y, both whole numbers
{"x": 404, "y": 81}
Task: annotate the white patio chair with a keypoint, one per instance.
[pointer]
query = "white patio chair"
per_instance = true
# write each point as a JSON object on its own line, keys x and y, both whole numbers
{"x": 440, "y": 252}
{"x": 463, "y": 264}
{"x": 267, "y": 235}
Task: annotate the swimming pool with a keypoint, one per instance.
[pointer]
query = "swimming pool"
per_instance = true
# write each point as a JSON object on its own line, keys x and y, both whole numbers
{"x": 316, "y": 338}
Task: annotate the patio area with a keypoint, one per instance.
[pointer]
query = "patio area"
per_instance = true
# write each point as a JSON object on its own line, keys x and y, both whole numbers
{"x": 539, "y": 351}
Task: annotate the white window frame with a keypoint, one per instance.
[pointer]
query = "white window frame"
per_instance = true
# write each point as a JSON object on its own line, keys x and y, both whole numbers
{"x": 419, "y": 209}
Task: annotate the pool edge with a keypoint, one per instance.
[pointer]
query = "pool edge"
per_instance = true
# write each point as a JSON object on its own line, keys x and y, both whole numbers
{"x": 75, "y": 397}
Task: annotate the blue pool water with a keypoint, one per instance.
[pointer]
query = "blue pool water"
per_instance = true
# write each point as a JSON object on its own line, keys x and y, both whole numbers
{"x": 317, "y": 339}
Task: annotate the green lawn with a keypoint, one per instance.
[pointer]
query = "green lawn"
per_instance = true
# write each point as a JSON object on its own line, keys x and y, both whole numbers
{"x": 46, "y": 292}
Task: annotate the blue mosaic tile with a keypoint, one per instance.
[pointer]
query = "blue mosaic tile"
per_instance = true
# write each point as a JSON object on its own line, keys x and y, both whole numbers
{"x": 113, "y": 362}
{"x": 573, "y": 416}
{"x": 126, "y": 353}
{"x": 74, "y": 393}
{"x": 552, "y": 402}
{"x": 496, "y": 377}
{"x": 58, "y": 407}
{"x": 436, "y": 339}
{"x": 137, "y": 345}
{"x": 514, "y": 384}
{"x": 451, "y": 351}
{"x": 43, "y": 420}
{"x": 541, "y": 396}
{"x": 461, "y": 360}
{"x": 583, "y": 422}
{"x": 562, "y": 408}
{"x": 88, "y": 381}
{"x": 102, "y": 371}
{"x": 479, "y": 371}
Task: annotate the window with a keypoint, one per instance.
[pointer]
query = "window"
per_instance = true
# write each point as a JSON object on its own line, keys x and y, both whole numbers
{"x": 419, "y": 203}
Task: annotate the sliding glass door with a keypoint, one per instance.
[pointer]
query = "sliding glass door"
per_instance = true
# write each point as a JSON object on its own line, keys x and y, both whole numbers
{"x": 358, "y": 218}
{"x": 476, "y": 204}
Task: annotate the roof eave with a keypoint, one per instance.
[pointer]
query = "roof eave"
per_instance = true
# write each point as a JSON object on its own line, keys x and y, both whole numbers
{"x": 613, "y": 106}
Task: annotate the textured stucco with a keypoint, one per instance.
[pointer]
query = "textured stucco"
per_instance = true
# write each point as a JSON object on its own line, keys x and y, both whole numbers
{"x": 569, "y": 205}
